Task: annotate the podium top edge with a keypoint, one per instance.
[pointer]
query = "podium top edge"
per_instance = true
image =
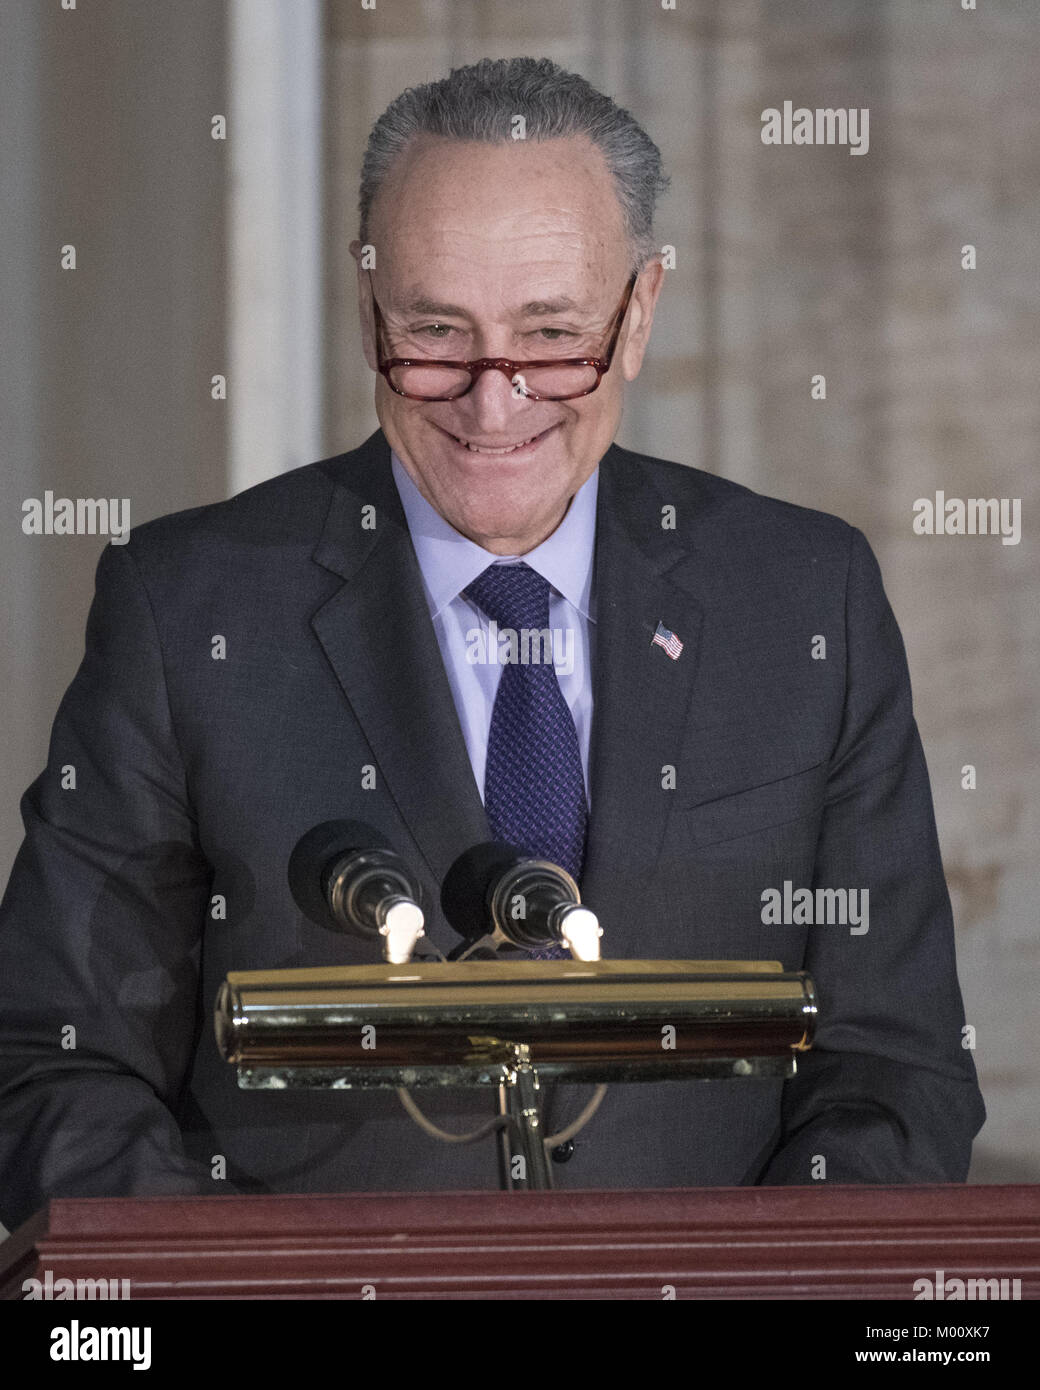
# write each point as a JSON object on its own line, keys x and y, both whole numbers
{"x": 501, "y": 972}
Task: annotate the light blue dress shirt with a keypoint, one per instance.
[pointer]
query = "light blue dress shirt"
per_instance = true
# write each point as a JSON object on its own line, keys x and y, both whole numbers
{"x": 472, "y": 659}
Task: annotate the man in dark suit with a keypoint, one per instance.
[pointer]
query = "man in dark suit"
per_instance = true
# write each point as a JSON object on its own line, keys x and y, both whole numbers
{"x": 298, "y": 654}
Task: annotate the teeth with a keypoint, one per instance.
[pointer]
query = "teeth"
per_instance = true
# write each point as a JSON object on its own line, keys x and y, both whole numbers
{"x": 510, "y": 449}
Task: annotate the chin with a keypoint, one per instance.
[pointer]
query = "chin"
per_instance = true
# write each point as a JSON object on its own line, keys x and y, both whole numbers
{"x": 489, "y": 526}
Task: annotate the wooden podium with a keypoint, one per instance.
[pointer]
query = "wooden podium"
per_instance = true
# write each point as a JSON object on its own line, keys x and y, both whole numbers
{"x": 707, "y": 1243}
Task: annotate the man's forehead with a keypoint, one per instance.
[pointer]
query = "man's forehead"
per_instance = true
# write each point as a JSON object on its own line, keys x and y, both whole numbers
{"x": 478, "y": 204}
{"x": 418, "y": 299}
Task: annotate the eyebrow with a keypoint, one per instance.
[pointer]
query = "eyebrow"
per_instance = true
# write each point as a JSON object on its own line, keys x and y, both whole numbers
{"x": 534, "y": 308}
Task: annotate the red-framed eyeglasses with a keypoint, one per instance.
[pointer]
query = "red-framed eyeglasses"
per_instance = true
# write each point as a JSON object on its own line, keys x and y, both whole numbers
{"x": 541, "y": 379}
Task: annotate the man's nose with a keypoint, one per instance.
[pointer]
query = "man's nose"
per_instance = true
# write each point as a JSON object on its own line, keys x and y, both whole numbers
{"x": 492, "y": 401}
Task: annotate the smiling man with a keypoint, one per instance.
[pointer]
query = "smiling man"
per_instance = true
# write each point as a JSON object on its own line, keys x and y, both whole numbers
{"x": 516, "y": 250}
{"x": 729, "y": 742}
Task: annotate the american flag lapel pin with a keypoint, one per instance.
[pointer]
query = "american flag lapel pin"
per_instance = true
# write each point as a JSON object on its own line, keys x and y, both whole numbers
{"x": 668, "y": 640}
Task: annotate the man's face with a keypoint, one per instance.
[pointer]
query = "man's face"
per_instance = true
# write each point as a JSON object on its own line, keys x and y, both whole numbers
{"x": 502, "y": 251}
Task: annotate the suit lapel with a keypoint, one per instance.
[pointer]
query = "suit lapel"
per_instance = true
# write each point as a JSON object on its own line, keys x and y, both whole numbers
{"x": 377, "y": 634}
{"x": 641, "y": 695}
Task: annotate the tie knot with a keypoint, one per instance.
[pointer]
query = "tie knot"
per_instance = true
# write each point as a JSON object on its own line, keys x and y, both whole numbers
{"x": 514, "y": 596}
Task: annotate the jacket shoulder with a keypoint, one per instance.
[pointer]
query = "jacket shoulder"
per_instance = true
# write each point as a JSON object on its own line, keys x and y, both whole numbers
{"x": 728, "y": 511}
{"x": 291, "y": 506}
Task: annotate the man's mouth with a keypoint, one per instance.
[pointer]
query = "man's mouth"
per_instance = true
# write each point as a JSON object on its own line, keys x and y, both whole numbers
{"x": 497, "y": 449}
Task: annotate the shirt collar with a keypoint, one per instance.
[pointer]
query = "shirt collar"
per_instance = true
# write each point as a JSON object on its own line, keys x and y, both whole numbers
{"x": 449, "y": 561}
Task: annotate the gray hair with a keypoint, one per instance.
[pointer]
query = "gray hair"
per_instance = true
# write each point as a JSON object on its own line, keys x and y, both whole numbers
{"x": 480, "y": 102}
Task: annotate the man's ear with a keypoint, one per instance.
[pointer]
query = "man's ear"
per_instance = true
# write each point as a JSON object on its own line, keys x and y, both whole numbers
{"x": 641, "y": 317}
{"x": 364, "y": 286}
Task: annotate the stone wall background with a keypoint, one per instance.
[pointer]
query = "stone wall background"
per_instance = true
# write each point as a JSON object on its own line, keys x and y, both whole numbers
{"x": 790, "y": 261}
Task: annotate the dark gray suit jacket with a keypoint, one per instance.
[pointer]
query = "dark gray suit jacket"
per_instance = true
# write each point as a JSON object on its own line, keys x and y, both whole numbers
{"x": 195, "y": 776}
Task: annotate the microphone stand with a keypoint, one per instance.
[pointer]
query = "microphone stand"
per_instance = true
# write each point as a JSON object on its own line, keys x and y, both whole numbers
{"x": 518, "y": 1098}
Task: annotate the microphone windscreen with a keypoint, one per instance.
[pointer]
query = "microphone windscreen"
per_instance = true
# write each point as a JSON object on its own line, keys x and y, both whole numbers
{"x": 313, "y": 854}
{"x": 464, "y": 892}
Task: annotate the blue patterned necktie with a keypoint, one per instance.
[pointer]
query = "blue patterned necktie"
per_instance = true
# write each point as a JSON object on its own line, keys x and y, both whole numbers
{"x": 534, "y": 788}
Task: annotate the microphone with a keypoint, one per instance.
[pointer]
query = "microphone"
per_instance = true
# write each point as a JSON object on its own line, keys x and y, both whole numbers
{"x": 497, "y": 892}
{"x": 345, "y": 875}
